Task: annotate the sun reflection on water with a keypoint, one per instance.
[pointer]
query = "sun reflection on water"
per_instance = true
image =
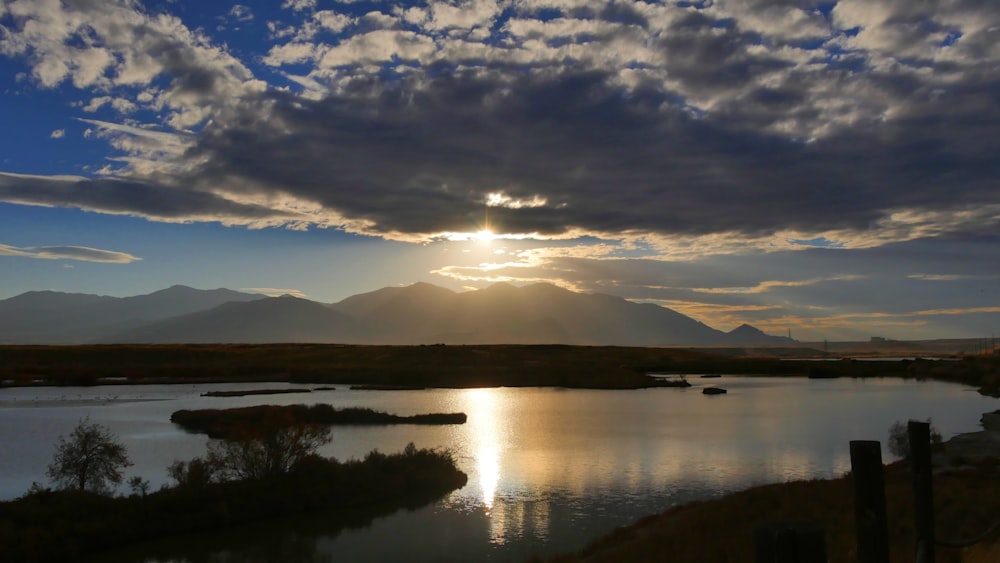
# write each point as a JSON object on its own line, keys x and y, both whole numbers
{"x": 488, "y": 464}
{"x": 488, "y": 436}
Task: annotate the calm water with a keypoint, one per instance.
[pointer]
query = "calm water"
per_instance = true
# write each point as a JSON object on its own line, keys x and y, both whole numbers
{"x": 549, "y": 469}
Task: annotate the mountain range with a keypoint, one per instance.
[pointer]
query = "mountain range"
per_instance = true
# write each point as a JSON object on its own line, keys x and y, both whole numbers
{"x": 417, "y": 314}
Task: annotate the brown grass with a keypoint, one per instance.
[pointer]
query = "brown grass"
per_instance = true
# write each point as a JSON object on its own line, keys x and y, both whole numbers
{"x": 966, "y": 503}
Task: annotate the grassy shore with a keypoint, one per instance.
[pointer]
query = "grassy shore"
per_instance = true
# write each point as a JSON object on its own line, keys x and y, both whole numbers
{"x": 966, "y": 503}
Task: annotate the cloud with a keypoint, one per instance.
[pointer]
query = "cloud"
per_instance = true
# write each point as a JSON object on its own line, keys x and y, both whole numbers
{"x": 241, "y": 13}
{"x": 718, "y": 128}
{"x": 275, "y": 292}
{"x": 124, "y": 197}
{"x": 79, "y": 253}
{"x": 116, "y": 45}
{"x": 299, "y": 5}
{"x": 58, "y": 134}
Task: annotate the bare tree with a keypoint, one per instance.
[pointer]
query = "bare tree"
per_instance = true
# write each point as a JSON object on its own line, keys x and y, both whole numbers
{"x": 271, "y": 448}
{"x": 91, "y": 458}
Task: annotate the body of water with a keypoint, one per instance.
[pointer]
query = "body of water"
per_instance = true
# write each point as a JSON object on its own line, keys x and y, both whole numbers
{"x": 549, "y": 469}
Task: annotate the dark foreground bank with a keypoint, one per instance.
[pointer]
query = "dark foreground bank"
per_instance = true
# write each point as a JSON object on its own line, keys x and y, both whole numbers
{"x": 966, "y": 502}
{"x": 69, "y": 525}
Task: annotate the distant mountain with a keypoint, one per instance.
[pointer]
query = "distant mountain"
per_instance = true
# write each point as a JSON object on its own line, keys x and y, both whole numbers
{"x": 274, "y": 319}
{"x": 48, "y": 317}
{"x": 534, "y": 314}
{"x": 399, "y": 315}
{"x": 748, "y": 335}
{"x": 39, "y": 317}
{"x": 417, "y": 314}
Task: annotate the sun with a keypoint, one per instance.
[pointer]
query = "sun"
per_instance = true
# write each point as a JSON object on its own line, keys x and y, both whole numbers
{"x": 485, "y": 235}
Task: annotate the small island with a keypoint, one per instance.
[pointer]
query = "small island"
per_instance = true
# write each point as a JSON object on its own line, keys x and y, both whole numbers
{"x": 226, "y": 423}
{"x": 249, "y": 392}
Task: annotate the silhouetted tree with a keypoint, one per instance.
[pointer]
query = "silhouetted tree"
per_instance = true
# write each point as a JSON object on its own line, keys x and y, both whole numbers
{"x": 139, "y": 486}
{"x": 89, "y": 459}
{"x": 271, "y": 447}
{"x": 195, "y": 473}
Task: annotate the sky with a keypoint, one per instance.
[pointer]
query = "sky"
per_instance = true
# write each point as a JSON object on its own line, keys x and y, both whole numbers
{"x": 826, "y": 168}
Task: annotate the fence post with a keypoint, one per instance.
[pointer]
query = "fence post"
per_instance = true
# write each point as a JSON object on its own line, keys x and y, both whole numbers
{"x": 869, "y": 501}
{"x": 923, "y": 491}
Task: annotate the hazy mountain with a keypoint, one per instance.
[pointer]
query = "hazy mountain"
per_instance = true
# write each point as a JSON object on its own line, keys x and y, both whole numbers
{"x": 399, "y": 315}
{"x": 752, "y": 336}
{"x": 534, "y": 314}
{"x": 417, "y": 314}
{"x": 542, "y": 313}
{"x": 274, "y": 319}
{"x": 42, "y": 317}
{"x": 47, "y": 316}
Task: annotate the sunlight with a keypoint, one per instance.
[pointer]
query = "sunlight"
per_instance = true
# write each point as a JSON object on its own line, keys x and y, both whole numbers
{"x": 485, "y": 235}
{"x": 488, "y": 464}
{"x": 487, "y": 449}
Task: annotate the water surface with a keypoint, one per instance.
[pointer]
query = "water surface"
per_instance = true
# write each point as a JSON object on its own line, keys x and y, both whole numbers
{"x": 549, "y": 469}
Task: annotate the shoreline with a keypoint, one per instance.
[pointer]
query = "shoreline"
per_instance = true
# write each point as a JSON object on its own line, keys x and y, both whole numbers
{"x": 967, "y": 502}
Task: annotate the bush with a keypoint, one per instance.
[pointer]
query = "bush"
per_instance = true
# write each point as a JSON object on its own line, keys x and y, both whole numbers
{"x": 196, "y": 473}
{"x": 272, "y": 447}
{"x": 899, "y": 439}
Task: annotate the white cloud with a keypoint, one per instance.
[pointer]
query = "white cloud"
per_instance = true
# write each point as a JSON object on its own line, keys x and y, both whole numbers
{"x": 333, "y": 21}
{"x": 79, "y": 253}
{"x": 378, "y": 20}
{"x": 290, "y": 53}
{"x": 241, "y": 13}
{"x": 299, "y": 5}
{"x": 114, "y": 44}
{"x": 275, "y": 292}
{"x": 58, "y": 134}
{"x": 378, "y": 46}
{"x": 465, "y": 14}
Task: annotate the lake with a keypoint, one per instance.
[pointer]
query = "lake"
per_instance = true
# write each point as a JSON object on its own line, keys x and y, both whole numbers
{"x": 549, "y": 469}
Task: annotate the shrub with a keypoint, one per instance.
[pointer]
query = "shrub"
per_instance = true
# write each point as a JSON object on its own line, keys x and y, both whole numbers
{"x": 899, "y": 439}
{"x": 272, "y": 447}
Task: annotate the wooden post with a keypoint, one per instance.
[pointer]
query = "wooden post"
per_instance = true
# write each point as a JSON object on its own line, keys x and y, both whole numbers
{"x": 789, "y": 542}
{"x": 869, "y": 501}
{"x": 923, "y": 490}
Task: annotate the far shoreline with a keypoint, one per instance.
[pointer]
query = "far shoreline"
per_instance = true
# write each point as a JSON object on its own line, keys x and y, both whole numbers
{"x": 446, "y": 367}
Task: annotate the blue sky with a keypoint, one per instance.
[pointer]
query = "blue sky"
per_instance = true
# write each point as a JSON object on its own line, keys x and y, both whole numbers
{"x": 824, "y": 167}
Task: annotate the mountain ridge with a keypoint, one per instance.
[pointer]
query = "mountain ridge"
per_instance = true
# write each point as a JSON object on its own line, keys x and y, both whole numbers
{"x": 420, "y": 313}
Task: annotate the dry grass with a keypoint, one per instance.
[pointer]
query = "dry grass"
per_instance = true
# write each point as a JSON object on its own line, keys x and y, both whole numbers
{"x": 966, "y": 503}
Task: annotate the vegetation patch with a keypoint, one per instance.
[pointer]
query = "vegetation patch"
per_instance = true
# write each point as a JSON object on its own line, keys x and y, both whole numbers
{"x": 67, "y": 525}
{"x": 231, "y": 423}
{"x": 253, "y": 392}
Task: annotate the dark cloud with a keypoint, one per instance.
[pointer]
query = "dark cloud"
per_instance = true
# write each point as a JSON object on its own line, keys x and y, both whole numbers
{"x": 421, "y": 157}
{"x": 722, "y": 117}
{"x": 129, "y": 197}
